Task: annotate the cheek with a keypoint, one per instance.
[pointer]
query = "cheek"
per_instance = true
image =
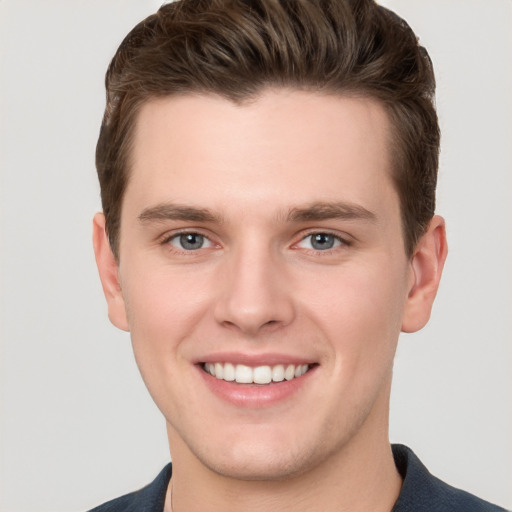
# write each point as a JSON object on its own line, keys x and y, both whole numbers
{"x": 163, "y": 309}
{"x": 162, "y": 312}
{"x": 359, "y": 308}
{"x": 162, "y": 300}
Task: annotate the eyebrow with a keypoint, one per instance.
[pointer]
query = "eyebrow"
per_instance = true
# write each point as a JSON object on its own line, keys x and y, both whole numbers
{"x": 312, "y": 212}
{"x": 168, "y": 211}
{"x": 328, "y": 210}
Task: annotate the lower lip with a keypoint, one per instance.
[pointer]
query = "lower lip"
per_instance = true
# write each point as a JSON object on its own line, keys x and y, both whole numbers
{"x": 255, "y": 396}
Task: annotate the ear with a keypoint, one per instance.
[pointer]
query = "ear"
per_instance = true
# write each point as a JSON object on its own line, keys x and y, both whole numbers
{"x": 426, "y": 268}
{"x": 108, "y": 269}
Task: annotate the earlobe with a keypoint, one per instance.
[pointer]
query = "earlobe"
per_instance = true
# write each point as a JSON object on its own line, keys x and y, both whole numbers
{"x": 108, "y": 269}
{"x": 426, "y": 268}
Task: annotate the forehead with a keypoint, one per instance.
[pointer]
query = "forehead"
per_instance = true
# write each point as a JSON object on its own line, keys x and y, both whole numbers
{"x": 283, "y": 147}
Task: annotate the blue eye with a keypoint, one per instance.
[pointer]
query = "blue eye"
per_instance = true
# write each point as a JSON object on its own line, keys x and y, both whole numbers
{"x": 190, "y": 241}
{"x": 320, "y": 241}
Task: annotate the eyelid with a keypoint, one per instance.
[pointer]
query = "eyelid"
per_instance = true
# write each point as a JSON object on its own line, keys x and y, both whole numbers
{"x": 166, "y": 238}
{"x": 176, "y": 238}
{"x": 344, "y": 240}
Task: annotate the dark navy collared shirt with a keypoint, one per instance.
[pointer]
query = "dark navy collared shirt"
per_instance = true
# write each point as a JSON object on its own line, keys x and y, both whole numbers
{"x": 421, "y": 492}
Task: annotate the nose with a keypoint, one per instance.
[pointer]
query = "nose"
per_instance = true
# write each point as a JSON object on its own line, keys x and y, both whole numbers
{"x": 255, "y": 295}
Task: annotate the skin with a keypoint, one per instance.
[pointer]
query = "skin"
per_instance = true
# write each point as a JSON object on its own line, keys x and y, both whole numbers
{"x": 264, "y": 170}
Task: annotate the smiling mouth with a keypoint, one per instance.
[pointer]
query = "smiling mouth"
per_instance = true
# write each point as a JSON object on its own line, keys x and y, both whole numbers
{"x": 243, "y": 374}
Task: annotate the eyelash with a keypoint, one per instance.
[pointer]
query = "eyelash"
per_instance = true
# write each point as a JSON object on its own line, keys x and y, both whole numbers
{"x": 342, "y": 242}
{"x": 338, "y": 240}
{"x": 167, "y": 239}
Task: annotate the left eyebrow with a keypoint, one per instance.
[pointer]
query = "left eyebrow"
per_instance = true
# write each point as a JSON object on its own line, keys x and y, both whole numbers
{"x": 327, "y": 210}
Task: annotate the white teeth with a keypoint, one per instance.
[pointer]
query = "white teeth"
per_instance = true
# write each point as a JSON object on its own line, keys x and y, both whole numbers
{"x": 262, "y": 375}
{"x": 219, "y": 371}
{"x": 289, "y": 373}
{"x": 243, "y": 374}
{"x": 278, "y": 373}
{"x": 229, "y": 372}
{"x": 258, "y": 375}
{"x": 301, "y": 370}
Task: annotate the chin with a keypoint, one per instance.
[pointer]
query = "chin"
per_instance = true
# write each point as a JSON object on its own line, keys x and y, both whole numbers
{"x": 256, "y": 457}
{"x": 260, "y": 465}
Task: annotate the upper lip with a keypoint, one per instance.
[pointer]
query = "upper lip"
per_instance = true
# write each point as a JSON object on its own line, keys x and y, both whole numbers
{"x": 263, "y": 359}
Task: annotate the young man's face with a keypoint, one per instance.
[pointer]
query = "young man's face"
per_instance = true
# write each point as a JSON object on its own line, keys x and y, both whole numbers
{"x": 259, "y": 239}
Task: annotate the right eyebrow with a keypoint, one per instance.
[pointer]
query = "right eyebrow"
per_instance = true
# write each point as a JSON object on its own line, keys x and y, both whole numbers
{"x": 169, "y": 211}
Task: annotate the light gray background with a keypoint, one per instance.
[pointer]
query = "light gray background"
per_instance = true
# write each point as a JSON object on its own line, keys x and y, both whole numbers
{"x": 77, "y": 426}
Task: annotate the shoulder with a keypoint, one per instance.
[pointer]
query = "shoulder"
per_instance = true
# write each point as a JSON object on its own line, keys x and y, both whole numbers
{"x": 148, "y": 499}
{"x": 422, "y": 491}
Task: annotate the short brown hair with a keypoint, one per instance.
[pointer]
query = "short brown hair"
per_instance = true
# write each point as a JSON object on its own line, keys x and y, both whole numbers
{"x": 237, "y": 48}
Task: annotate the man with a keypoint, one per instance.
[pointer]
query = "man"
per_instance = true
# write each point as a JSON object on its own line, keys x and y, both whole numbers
{"x": 268, "y": 173}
